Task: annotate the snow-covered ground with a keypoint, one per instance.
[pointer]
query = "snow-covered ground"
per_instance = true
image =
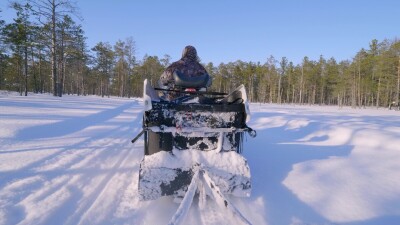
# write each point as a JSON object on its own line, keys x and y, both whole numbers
{"x": 69, "y": 160}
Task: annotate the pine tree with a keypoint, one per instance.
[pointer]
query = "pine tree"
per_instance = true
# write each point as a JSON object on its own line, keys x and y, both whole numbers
{"x": 103, "y": 66}
{"x": 50, "y": 13}
{"x": 18, "y": 36}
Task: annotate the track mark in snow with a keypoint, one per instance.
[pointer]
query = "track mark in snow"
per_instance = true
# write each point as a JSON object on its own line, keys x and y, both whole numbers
{"x": 81, "y": 170}
{"x": 107, "y": 184}
{"x": 71, "y": 125}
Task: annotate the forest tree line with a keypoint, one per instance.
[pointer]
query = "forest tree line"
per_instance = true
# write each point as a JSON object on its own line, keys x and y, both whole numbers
{"x": 44, "y": 50}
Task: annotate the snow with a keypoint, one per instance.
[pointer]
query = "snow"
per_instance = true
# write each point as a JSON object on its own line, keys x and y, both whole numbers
{"x": 69, "y": 160}
{"x": 229, "y": 170}
{"x": 325, "y": 165}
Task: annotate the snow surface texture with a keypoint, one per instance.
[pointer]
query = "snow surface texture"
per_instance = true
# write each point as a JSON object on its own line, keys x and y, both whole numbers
{"x": 69, "y": 160}
{"x": 228, "y": 170}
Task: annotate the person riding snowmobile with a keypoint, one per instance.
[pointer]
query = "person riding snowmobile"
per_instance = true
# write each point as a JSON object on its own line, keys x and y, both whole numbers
{"x": 187, "y": 69}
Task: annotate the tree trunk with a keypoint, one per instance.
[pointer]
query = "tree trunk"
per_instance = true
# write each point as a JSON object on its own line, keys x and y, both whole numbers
{"x": 301, "y": 85}
{"x": 53, "y": 49}
{"x": 293, "y": 94}
{"x": 378, "y": 92}
{"x": 19, "y": 76}
{"x": 398, "y": 83}
{"x": 35, "y": 89}
{"x": 62, "y": 66}
{"x": 314, "y": 94}
{"x": 41, "y": 82}
{"x": 353, "y": 92}
{"x": 26, "y": 69}
{"x": 288, "y": 89}
{"x": 279, "y": 89}
{"x": 359, "y": 85}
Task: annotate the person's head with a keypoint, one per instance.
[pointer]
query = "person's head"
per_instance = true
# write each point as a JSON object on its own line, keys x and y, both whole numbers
{"x": 190, "y": 52}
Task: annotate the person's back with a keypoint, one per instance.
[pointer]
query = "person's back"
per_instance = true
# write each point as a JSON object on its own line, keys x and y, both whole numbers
{"x": 187, "y": 66}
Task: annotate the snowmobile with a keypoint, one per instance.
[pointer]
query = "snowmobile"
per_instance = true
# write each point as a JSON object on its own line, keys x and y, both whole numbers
{"x": 193, "y": 143}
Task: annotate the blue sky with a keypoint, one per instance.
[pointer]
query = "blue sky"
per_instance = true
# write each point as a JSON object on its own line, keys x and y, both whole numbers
{"x": 226, "y": 31}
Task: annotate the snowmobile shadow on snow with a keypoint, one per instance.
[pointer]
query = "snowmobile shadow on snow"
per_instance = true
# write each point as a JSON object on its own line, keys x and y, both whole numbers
{"x": 193, "y": 144}
{"x": 272, "y": 158}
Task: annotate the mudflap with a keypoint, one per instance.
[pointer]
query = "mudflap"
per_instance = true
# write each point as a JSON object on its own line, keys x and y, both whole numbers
{"x": 170, "y": 173}
{"x": 157, "y": 182}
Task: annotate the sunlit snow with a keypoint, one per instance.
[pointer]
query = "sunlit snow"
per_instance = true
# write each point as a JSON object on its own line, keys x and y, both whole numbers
{"x": 69, "y": 160}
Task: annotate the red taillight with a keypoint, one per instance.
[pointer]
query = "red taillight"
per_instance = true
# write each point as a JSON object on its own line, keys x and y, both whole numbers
{"x": 190, "y": 89}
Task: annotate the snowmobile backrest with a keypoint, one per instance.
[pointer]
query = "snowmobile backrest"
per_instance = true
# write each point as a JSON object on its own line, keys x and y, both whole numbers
{"x": 169, "y": 114}
{"x": 184, "y": 81}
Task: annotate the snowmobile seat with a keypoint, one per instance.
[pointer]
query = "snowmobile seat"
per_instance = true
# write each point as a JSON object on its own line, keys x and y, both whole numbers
{"x": 184, "y": 81}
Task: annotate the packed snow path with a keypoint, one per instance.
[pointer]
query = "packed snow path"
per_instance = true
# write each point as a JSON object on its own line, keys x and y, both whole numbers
{"x": 69, "y": 160}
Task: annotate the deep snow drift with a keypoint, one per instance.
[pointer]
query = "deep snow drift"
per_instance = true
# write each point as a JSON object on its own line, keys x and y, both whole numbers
{"x": 69, "y": 160}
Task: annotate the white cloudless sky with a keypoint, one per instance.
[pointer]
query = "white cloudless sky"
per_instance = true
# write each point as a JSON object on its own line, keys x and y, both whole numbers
{"x": 226, "y": 31}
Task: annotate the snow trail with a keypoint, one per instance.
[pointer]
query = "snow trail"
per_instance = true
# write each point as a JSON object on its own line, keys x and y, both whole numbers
{"x": 89, "y": 156}
{"x": 70, "y": 161}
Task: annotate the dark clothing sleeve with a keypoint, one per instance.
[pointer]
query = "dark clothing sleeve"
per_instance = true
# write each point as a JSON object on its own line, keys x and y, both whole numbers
{"x": 166, "y": 77}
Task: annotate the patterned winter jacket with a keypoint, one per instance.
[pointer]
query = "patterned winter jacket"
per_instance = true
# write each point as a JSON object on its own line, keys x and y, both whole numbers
{"x": 187, "y": 65}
